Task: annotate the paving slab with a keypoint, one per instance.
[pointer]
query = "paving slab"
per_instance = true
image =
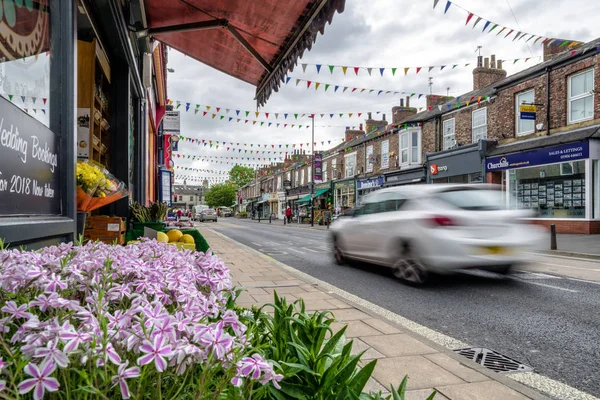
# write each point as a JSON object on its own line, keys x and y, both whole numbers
{"x": 488, "y": 390}
{"x": 422, "y": 373}
{"x": 398, "y": 344}
{"x": 355, "y": 329}
{"x": 463, "y": 372}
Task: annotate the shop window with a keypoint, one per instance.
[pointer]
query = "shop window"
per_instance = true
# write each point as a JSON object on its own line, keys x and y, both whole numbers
{"x": 410, "y": 148}
{"x": 554, "y": 190}
{"x": 385, "y": 154}
{"x": 369, "y": 159}
{"x": 192, "y": 198}
{"x": 524, "y": 126}
{"x": 334, "y": 171}
{"x": 581, "y": 96}
{"x": 479, "y": 124}
{"x": 25, "y": 58}
{"x": 324, "y": 171}
{"x": 309, "y": 175}
{"x": 296, "y": 178}
{"x": 350, "y": 163}
{"x": 449, "y": 134}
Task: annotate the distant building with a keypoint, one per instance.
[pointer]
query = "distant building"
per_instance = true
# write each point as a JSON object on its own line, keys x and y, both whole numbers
{"x": 187, "y": 196}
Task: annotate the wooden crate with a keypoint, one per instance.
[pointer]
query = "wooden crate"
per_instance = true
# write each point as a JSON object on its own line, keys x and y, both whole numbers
{"x": 105, "y": 224}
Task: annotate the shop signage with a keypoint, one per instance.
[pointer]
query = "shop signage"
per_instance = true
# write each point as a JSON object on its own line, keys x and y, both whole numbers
{"x": 370, "y": 183}
{"x": 344, "y": 184}
{"x": 436, "y": 169}
{"x": 548, "y": 155}
{"x": 29, "y": 170}
{"x": 165, "y": 186}
{"x": 318, "y": 172}
{"x": 527, "y": 111}
{"x": 171, "y": 122}
{"x": 287, "y": 184}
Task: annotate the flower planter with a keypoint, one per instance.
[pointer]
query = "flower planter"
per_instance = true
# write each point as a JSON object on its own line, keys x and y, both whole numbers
{"x": 157, "y": 226}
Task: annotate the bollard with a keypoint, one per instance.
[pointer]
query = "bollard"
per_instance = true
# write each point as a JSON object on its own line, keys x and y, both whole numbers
{"x": 270, "y": 218}
{"x": 553, "y": 237}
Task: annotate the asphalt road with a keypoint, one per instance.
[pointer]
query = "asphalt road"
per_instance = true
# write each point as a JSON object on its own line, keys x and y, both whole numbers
{"x": 546, "y": 321}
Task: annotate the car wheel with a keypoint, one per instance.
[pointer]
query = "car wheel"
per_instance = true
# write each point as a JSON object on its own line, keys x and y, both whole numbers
{"x": 504, "y": 269}
{"x": 409, "y": 268}
{"x": 338, "y": 253}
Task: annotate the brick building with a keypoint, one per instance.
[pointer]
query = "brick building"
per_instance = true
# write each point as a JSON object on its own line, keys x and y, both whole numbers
{"x": 481, "y": 136}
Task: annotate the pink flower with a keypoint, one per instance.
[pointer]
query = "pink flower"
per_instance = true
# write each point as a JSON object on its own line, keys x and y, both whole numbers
{"x": 55, "y": 283}
{"x": 216, "y": 339}
{"x": 16, "y": 312}
{"x": 41, "y": 380}
{"x": 252, "y": 366}
{"x": 125, "y": 373}
{"x": 74, "y": 340}
{"x": 53, "y": 354}
{"x": 156, "y": 352}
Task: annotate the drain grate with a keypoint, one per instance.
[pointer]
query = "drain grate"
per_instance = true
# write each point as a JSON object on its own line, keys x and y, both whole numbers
{"x": 493, "y": 360}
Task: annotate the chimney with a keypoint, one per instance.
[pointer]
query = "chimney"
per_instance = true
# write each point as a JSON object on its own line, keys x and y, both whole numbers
{"x": 369, "y": 114}
{"x": 384, "y": 119}
{"x": 352, "y": 134}
{"x": 479, "y": 61}
{"x": 434, "y": 100}
{"x": 486, "y": 75}
{"x": 493, "y": 61}
{"x": 407, "y": 102}
{"x": 401, "y": 102}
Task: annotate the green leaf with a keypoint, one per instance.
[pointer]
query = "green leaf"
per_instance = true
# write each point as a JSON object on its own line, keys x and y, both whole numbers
{"x": 358, "y": 382}
{"x": 276, "y": 393}
{"x": 401, "y": 392}
{"x": 293, "y": 390}
{"x": 301, "y": 367}
{"x": 332, "y": 344}
{"x": 431, "y": 396}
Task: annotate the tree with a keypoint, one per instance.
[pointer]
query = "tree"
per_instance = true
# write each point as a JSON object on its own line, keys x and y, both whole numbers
{"x": 221, "y": 195}
{"x": 240, "y": 175}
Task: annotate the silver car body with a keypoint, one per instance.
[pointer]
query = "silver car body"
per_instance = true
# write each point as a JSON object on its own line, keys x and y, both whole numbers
{"x": 208, "y": 215}
{"x": 447, "y": 227}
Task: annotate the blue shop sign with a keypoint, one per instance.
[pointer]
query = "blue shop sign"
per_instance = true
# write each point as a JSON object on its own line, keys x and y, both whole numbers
{"x": 370, "y": 183}
{"x": 548, "y": 155}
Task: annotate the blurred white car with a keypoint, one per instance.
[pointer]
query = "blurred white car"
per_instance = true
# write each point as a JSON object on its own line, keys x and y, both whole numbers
{"x": 436, "y": 228}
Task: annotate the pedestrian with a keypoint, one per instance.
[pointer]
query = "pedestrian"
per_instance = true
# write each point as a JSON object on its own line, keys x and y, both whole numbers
{"x": 288, "y": 214}
{"x": 179, "y": 214}
{"x": 253, "y": 213}
{"x": 327, "y": 217}
{"x": 219, "y": 213}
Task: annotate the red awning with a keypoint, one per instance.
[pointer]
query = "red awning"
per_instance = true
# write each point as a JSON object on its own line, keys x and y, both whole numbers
{"x": 256, "y": 41}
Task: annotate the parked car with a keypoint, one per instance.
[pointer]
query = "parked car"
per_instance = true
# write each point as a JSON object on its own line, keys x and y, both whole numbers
{"x": 196, "y": 210}
{"x": 208, "y": 215}
{"x": 420, "y": 229}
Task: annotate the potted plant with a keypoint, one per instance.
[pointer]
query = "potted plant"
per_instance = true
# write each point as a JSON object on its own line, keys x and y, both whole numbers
{"x": 152, "y": 217}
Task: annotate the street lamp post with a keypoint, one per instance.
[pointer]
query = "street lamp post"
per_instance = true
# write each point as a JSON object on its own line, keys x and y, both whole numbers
{"x": 312, "y": 170}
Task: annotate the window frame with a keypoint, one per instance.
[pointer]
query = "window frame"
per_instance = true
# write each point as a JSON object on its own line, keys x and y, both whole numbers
{"x": 409, "y": 148}
{"x": 444, "y": 135}
{"x": 369, "y": 167}
{"x": 334, "y": 169}
{"x": 385, "y": 155}
{"x": 346, "y": 158}
{"x": 570, "y": 99}
{"x": 517, "y": 112}
{"x": 473, "y": 127}
{"x": 324, "y": 171}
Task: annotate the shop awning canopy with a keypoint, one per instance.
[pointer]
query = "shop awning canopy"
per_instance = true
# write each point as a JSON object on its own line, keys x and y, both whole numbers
{"x": 306, "y": 199}
{"x": 257, "y": 41}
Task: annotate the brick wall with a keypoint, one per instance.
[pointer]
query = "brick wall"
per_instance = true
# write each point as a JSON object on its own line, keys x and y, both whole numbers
{"x": 433, "y": 100}
{"x": 428, "y": 137}
{"x": 570, "y": 226}
{"x": 502, "y": 115}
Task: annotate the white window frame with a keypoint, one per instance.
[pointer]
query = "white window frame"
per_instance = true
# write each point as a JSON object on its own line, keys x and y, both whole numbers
{"x": 302, "y": 177}
{"x": 518, "y": 112}
{"x": 324, "y": 171}
{"x": 579, "y": 97}
{"x": 385, "y": 155}
{"x": 279, "y": 187}
{"x": 368, "y": 152}
{"x": 474, "y": 127}
{"x": 309, "y": 176}
{"x": 445, "y": 135}
{"x": 409, "y": 148}
{"x": 334, "y": 170}
{"x": 296, "y": 181}
{"x": 346, "y": 170}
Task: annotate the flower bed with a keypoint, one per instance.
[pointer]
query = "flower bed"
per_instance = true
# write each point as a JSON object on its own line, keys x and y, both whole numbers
{"x": 141, "y": 321}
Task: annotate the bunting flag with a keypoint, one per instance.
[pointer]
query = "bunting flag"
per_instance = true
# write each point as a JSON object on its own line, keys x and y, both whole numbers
{"x": 411, "y": 69}
{"x": 269, "y": 115}
{"x": 519, "y": 34}
{"x": 250, "y": 148}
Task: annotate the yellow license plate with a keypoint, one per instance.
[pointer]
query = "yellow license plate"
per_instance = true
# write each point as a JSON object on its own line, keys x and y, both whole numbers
{"x": 494, "y": 250}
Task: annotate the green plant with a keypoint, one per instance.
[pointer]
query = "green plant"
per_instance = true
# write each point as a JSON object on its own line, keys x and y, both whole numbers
{"x": 155, "y": 213}
{"x": 316, "y": 363}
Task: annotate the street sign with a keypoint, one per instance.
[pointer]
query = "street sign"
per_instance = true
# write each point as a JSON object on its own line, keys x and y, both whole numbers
{"x": 287, "y": 184}
{"x": 171, "y": 121}
{"x": 527, "y": 112}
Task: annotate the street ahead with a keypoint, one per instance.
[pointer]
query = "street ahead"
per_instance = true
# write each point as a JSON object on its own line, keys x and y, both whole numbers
{"x": 546, "y": 321}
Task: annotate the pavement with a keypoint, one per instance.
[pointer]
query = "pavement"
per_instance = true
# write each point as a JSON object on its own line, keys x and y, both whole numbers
{"x": 399, "y": 350}
{"x": 279, "y": 222}
{"x": 575, "y": 245}
{"x": 544, "y": 316}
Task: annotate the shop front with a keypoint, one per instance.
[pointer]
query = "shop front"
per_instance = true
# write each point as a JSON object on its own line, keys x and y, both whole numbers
{"x": 463, "y": 164}
{"x": 366, "y": 186}
{"x": 560, "y": 183}
{"x": 281, "y": 197}
{"x": 344, "y": 194}
{"x": 274, "y": 204}
{"x": 409, "y": 176}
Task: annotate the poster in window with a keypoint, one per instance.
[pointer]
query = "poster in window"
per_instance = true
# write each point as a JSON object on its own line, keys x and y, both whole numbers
{"x": 578, "y": 203}
{"x": 527, "y": 186}
{"x": 558, "y": 186}
{"x": 567, "y": 183}
{"x": 520, "y": 186}
{"x": 542, "y": 188}
{"x": 542, "y": 201}
{"x": 526, "y": 198}
{"x": 567, "y": 203}
{"x": 550, "y": 191}
{"x": 385, "y": 154}
{"x": 534, "y": 192}
{"x": 542, "y": 194}
{"x": 550, "y": 184}
{"x": 578, "y": 182}
{"x": 577, "y": 196}
{"x": 567, "y": 196}
{"x": 577, "y": 189}
{"x": 534, "y": 185}
{"x": 568, "y": 189}
{"x": 83, "y": 133}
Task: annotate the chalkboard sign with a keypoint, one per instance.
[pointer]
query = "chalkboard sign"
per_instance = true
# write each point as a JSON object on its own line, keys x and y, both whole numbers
{"x": 29, "y": 169}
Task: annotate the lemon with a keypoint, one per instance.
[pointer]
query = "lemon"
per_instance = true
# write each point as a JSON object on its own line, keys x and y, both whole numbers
{"x": 187, "y": 239}
{"x": 174, "y": 235}
{"x": 162, "y": 237}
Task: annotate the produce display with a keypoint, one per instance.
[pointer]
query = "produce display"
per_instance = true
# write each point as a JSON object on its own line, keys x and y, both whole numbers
{"x": 157, "y": 212}
{"x": 175, "y": 237}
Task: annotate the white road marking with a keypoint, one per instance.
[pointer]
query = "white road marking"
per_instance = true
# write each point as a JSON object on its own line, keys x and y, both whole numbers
{"x": 256, "y": 244}
{"x": 314, "y": 251}
{"x": 297, "y": 251}
{"x": 570, "y": 267}
{"x": 544, "y": 285}
{"x": 582, "y": 280}
{"x": 588, "y": 260}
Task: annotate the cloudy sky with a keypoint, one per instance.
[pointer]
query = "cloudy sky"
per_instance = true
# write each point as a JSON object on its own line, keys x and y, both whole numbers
{"x": 369, "y": 33}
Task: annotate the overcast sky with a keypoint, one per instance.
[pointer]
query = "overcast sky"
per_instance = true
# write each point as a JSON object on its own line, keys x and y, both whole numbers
{"x": 370, "y": 33}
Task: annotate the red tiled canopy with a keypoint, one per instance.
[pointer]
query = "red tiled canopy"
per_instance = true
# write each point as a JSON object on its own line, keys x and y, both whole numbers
{"x": 257, "y": 41}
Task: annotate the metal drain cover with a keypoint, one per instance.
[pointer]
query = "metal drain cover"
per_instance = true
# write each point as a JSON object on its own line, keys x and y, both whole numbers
{"x": 493, "y": 360}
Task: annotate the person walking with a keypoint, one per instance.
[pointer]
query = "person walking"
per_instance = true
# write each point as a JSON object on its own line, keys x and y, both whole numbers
{"x": 327, "y": 217}
{"x": 288, "y": 214}
{"x": 179, "y": 214}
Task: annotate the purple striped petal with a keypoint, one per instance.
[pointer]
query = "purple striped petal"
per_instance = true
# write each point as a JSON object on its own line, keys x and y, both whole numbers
{"x": 161, "y": 364}
{"x": 132, "y": 372}
{"x": 27, "y": 385}
{"x": 33, "y": 370}
{"x": 38, "y": 393}
{"x": 124, "y": 389}
{"x": 147, "y": 348}
{"x": 49, "y": 367}
{"x": 51, "y": 384}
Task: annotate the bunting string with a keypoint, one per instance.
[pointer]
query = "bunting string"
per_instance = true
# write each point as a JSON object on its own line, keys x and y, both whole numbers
{"x": 183, "y": 177}
{"x": 246, "y": 161}
{"x": 250, "y": 147}
{"x": 245, "y": 114}
{"x": 489, "y": 26}
{"x": 381, "y": 71}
